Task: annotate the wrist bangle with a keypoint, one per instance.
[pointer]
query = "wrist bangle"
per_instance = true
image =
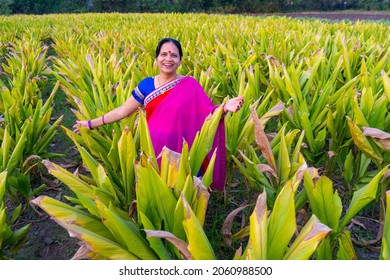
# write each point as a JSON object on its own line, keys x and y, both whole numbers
{"x": 90, "y": 125}
{"x": 103, "y": 120}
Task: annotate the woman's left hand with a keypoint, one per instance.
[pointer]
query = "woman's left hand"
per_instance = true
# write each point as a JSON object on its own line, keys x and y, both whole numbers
{"x": 234, "y": 104}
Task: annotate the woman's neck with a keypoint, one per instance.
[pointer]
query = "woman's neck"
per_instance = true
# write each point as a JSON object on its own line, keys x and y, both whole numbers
{"x": 165, "y": 78}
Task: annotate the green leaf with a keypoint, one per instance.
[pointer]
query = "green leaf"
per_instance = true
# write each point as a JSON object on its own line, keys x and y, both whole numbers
{"x": 207, "y": 177}
{"x": 154, "y": 198}
{"x": 69, "y": 179}
{"x": 386, "y": 83}
{"x": 16, "y": 213}
{"x": 5, "y": 147}
{"x": 66, "y": 215}
{"x": 3, "y": 180}
{"x": 100, "y": 245}
{"x": 308, "y": 240}
{"x": 257, "y": 243}
{"x": 145, "y": 140}
{"x": 126, "y": 233}
{"x": 362, "y": 142}
{"x": 197, "y": 197}
{"x": 17, "y": 154}
{"x": 362, "y": 197}
{"x": 3, "y": 225}
{"x": 180, "y": 245}
{"x": 348, "y": 168}
{"x": 325, "y": 203}
{"x": 385, "y": 249}
{"x": 19, "y": 238}
{"x": 203, "y": 141}
{"x": 308, "y": 129}
{"x": 198, "y": 244}
{"x": 127, "y": 155}
{"x": 346, "y": 249}
{"x": 282, "y": 223}
{"x": 155, "y": 243}
{"x": 284, "y": 164}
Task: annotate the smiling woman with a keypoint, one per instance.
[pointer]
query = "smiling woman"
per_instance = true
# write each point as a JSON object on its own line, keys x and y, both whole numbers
{"x": 176, "y": 107}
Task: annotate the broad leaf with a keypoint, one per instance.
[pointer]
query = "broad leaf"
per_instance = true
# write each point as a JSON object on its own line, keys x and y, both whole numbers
{"x": 257, "y": 244}
{"x": 324, "y": 201}
{"x": 385, "y": 250}
{"x": 282, "y": 223}
{"x": 198, "y": 244}
{"x": 126, "y": 233}
{"x": 362, "y": 197}
{"x": 308, "y": 240}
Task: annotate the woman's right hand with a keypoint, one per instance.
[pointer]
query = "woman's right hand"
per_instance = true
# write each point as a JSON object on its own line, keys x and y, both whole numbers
{"x": 79, "y": 124}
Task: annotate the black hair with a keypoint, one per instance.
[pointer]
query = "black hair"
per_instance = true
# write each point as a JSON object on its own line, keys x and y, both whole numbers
{"x": 166, "y": 40}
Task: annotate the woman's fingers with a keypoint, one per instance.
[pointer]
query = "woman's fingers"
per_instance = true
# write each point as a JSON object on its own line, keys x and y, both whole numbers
{"x": 77, "y": 125}
{"x": 234, "y": 104}
{"x": 239, "y": 101}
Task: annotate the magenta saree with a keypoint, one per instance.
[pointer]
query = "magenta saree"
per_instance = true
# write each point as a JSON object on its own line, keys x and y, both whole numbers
{"x": 179, "y": 115}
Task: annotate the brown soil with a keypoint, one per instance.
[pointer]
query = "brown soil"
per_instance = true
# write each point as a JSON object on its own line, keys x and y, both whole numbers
{"x": 353, "y": 16}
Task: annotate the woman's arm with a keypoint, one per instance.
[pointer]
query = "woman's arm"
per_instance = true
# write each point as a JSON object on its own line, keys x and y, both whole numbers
{"x": 126, "y": 109}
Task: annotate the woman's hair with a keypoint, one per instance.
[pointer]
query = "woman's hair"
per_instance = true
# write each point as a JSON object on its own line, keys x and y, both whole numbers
{"x": 166, "y": 40}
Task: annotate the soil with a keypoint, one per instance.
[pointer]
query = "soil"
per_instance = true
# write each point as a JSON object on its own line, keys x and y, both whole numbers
{"x": 49, "y": 241}
{"x": 352, "y": 16}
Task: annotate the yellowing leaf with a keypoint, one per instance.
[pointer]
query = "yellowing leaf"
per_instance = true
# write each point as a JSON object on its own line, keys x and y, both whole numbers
{"x": 361, "y": 142}
{"x": 258, "y": 236}
{"x": 346, "y": 250}
{"x": 386, "y": 83}
{"x": 179, "y": 244}
{"x": 198, "y": 244}
{"x": 126, "y": 233}
{"x": 3, "y": 179}
{"x": 308, "y": 240}
{"x": 262, "y": 141}
{"x": 282, "y": 223}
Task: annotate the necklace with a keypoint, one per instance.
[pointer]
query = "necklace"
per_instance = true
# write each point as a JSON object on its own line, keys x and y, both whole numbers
{"x": 160, "y": 84}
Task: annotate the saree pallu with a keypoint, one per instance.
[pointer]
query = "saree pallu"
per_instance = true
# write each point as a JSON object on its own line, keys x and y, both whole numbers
{"x": 179, "y": 115}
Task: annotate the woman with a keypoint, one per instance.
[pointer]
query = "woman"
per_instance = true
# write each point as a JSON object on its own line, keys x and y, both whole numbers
{"x": 176, "y": 107}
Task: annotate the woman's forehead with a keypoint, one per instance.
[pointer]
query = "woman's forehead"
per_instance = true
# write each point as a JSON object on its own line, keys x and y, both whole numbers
{"x": 169, "y": 47}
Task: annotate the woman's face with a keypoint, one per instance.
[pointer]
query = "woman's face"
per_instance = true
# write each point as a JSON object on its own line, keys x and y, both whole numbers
{"x": 168, "y": 60}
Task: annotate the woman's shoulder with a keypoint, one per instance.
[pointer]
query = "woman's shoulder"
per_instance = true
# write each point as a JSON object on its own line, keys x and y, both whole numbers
{"x": 190, "y": 79}
{"x": 146, "y": 85}
{"x": 146, "y": 81}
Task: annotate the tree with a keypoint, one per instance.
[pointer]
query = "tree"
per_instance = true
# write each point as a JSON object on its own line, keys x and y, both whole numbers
{"x": 5, "y": 7}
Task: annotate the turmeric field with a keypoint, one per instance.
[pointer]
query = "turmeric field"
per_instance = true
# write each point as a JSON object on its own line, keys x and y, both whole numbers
{"x": 307, "y": 155}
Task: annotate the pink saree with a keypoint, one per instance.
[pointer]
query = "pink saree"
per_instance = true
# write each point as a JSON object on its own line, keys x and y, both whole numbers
{"x": 178, "y": 112}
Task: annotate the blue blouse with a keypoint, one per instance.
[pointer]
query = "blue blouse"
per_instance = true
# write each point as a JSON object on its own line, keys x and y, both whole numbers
{"x": 145, "y": 87}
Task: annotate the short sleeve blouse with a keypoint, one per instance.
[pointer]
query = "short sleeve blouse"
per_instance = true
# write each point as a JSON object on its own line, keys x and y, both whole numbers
{"x": 145, "y": 87}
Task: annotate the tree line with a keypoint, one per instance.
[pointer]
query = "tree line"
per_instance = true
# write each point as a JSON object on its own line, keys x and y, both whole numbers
{"x": 207, "y": 6}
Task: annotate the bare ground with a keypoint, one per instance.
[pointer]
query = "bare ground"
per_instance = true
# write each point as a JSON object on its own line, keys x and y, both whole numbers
{"x": 353, "y": 16}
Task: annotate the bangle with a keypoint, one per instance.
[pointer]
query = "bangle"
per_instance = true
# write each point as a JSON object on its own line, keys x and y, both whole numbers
{"x": 103, "y": 120}
{"x": 90, "y": 125}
